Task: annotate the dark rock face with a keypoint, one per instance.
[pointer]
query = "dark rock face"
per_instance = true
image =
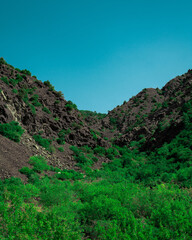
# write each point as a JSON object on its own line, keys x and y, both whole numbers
{"x": 153, "y": 114}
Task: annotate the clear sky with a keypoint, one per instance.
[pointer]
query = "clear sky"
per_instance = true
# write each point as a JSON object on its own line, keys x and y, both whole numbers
{"x": 98, "y": 52}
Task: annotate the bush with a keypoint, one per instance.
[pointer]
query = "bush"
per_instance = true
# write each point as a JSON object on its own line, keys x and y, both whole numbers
{"x": 35, "y": 100}
{"x": 15, "y": 91}
{"x": 48, "y": 84}
{"x": 61, "y": 134}
{"x": 2, "y": 61}
{"x": 5, "y": 80}
{"x": 56, "y": 119}
{"x": 39, "y": 164}
{"x": 43, "y": 141}
{"x": 59, "y": 94}
{"x": 75, "y": 149}
{"x": 33, "y": 110}
{"x": 61, "y": 149}
{"x": 80, "y": 157}
{"x": 69, "y": 174}
{"x": 15, "y": 81}
{"x": 27, "y": 171}
{"x": 99, "y": 150}
{"x": 25, "y": 71}
{"x": 46, "y": 110}
{"x": 70, "y": 106}
{"x": 93, "y": 133}
{"x": 52, "y": 149}
{"x": 56, "y": 102}
{"x": 11, "y": 130}
{"x": 113, "y": 121}
{"x": 23, "y": 94}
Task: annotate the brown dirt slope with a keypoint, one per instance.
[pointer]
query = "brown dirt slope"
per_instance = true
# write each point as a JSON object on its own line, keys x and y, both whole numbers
{"x": 13, "y": 156}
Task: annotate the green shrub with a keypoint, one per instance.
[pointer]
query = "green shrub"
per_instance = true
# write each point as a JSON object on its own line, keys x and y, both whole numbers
{"x": 80, "y": 157}
{"x": 99, "y": 150}
{"x": 165, "y": 104}
{"x": 5, "y": 80}
{"x": 113, "y": 121}
{"x": 46, "y": 110}
{"x": 33, "y": 110}
{"x": 23, "y": 94}
{"x": 56, "y": 119}
{"x": 59, "y": 94}
{"x": 25, "y": 71}
{"x": 43, "y": 141}
{"x": 86, "y": 149}
{"x": 75, "y": 149}
{"x": 69, "y": 174}
{"x": 39, "y": 164}
{"x": 2, "y": 61}
{"x": 70, "y": 106}
{"x": 35, "y": 100}
{"x": 93, "y": 134}
{"x": 111, "y": 153}
{"x": 27, "y": 171}
{"x": 11, "y": 130}
{"x": 61, "y": 134}
{"x": 48, "y": 84}
{"x": 61, "y": 149}
{"x": 15, "y": 81}
{"x": 57, "y": 102}
{"x": 15, "y": 91}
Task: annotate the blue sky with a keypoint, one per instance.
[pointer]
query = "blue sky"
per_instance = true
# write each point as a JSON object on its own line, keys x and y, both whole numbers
{"x": 98, "y": 52}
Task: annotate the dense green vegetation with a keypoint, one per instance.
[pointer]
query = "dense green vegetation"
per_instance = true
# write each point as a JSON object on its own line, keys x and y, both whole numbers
{"x": 138, "y": 195}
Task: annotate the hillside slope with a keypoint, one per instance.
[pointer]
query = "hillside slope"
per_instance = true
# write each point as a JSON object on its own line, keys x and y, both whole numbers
{"x": 52, "y": 125}
{"x": 153, "y": 115}
{"x": 47, "y": 118}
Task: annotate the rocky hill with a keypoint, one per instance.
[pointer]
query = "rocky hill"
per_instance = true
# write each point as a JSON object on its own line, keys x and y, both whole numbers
{"x": 52, "y": 125}
{"x": 47, "y": 118}
{"x": 153, "y": 116}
